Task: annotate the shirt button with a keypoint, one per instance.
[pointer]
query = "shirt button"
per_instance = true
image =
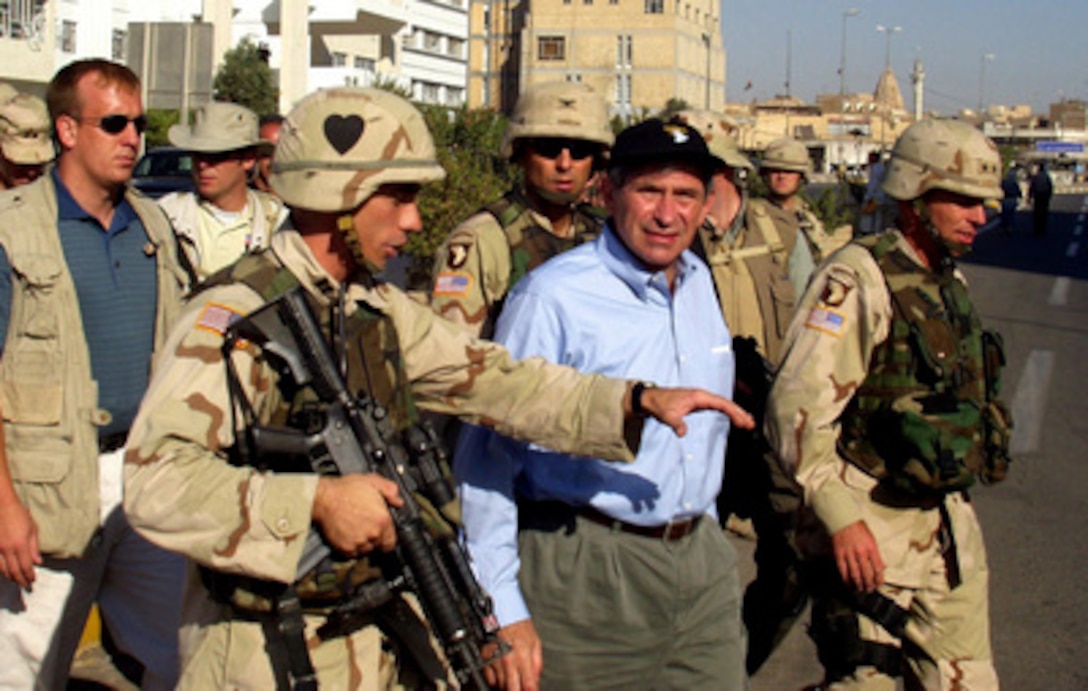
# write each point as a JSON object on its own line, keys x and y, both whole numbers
{"x": 282, "y": 525}
{"x": 687, "y": 506}
{"x": 689, "y": 457}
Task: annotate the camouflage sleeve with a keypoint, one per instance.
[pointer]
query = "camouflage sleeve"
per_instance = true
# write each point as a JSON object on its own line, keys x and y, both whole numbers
{"x": 180, "y": 491}
{"x": 843, "y": 315}
{"x": 480, "y": 382}
{"x": 471, "y": 273}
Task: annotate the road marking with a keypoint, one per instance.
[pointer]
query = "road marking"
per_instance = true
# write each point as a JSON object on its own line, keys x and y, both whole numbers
{"x": 1072, "y": 250}
{"x": 1029, "y": 402}
{"x": 1059, "y": 294}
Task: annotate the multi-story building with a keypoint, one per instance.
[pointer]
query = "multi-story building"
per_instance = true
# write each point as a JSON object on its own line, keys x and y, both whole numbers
{"x": 638, "y": 54}
{"x": 420, "y": 45}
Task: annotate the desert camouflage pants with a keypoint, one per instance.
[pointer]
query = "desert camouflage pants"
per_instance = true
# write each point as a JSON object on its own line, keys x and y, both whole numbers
{"x": 937, "y": 573}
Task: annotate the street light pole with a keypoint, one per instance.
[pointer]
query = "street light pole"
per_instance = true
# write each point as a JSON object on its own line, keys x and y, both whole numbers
{"x": 982, "y": 81}
{"x": 852, "y": 12}
{"x": 888, "y": 31}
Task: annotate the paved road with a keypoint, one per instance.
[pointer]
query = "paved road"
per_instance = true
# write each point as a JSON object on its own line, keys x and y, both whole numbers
{"x": 1035, "y": 291}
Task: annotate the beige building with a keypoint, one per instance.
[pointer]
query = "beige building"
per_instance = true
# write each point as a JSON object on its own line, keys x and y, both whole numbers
{"x": 637, "y": 53}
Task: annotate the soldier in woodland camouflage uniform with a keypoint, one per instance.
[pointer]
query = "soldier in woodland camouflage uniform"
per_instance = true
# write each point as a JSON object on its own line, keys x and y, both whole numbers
{"x": 348, "y": 164}
{"x": 886, "y": 407}
{"x": 558, "y": 135}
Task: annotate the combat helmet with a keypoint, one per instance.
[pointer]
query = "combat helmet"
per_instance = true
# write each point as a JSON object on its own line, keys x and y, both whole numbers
{"x": 722, "y": 144}
{"x": 338, "y": 146}
{"x": 559, "y": 109}
{"x": 943, "y": 154}
{"x": 787, "y": 154}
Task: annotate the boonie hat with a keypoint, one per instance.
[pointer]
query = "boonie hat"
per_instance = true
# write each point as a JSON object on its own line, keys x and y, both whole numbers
{"x": 25, "y": 130}
{"x": 219, "y": 127}
{"x": 657, "y": 141}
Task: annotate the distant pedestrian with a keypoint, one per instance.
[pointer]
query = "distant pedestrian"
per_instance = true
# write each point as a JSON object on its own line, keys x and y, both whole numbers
{"x": 1040, "y": 190}
{"x": 1011, "y": 187}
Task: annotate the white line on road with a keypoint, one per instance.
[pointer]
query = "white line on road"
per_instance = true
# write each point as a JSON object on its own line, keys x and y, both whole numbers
{"x": 1072, "y": 250}
{"x": 1059, "y": 294}
{"x": 1029, "y": 401}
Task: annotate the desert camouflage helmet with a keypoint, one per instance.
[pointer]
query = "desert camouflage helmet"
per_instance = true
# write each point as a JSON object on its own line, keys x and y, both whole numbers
{"x": 559, "y": 109}
{"x": 338, "y": 146}
{"x": 943, "y": 154}
{"x": 787, "y": 154}
{"x": 713, "y": 128}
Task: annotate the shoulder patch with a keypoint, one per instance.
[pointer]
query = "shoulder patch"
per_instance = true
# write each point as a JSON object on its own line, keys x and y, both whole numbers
{"x": 835, "y": 292}
{"x": 458, "y": 254}
{"x": 452, "y": 284}
{"x": 217, "y": 318}
{"x": 827, "y": 320}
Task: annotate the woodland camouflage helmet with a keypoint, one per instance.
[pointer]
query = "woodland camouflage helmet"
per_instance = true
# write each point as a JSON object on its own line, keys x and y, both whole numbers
{"x": 713, "y": 128}
{"x": 943, "y": 154}
{"x": 338, "y": 146}
{"x": 559, "y": 109}
{"x": 787, "y": 154}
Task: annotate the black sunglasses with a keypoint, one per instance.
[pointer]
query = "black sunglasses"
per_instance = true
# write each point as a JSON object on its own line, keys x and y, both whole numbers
{"x": 116, "y": 124}
{"x": 552, "y": 147}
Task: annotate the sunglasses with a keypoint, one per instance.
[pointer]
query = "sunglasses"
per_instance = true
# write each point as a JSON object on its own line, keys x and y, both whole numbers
{"x": 116, "y": 124}
{"x": 552, "y": 147}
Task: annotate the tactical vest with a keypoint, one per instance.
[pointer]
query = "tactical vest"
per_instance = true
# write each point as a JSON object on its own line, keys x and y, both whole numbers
{"x": 374, "y": 367}
{"x": 917, "y": 421}
{"x": 47, "y": 392}
{"x": 530, "y": 243}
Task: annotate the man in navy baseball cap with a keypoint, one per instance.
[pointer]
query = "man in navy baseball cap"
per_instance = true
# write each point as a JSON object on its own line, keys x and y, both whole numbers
{"x": 657, "y": 142}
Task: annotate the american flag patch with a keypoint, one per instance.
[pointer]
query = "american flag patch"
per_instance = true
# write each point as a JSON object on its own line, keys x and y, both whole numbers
{"x": 452, "y": 284}
{"x": 827, "y": 320}
{"x": 217, "y": 318}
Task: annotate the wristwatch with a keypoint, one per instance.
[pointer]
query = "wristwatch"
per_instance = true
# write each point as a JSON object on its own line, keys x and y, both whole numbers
{"x": 636, "y": 397}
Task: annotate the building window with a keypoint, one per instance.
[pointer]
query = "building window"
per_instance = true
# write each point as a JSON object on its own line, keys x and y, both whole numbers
{"x": 655, "y": 6}
{"x": 623, "y": 92}
{"x": 117, "y": 51}
{"x": 339, "y": 59}
{"x": 432, "y": 41}
{"x": 587, "y": 2}
{"x": 68, "y": 36}
{"x": 454, "y": 96}
{"x": 365, "y": 64}
{"x": 613, "y": 2}
{"x": 575, "y": 78}
{"x": 456, "y": 47}
{"x": 623, "y": 51}
{"x": 429, "y": 92}
{"x": 551, "y": 48}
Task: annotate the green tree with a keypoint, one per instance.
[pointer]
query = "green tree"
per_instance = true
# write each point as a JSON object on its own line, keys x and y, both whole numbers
{"x": 246, "y": 79}
{"x": 158, "y": 123}
{"x": 468, "y": 144}
{"x": 672, "y": 107}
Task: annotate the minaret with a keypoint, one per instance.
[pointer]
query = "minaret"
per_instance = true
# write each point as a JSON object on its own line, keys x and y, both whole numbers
{"x": 918, "y": 78}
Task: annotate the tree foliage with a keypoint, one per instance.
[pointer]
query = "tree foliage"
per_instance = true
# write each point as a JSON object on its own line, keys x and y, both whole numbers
{"x": 158, "y": 124}
{"x": 245, "y": 78}
{"x": 468, "y": 143}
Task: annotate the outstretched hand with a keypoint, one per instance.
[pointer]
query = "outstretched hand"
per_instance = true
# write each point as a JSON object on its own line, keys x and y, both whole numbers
{"x": 669, "y": 406}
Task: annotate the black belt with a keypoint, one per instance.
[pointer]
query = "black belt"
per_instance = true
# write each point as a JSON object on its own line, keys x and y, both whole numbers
{"x": 669, "y": 532}
{"x": 554, "y": 515}
{"x": 112, "y": 442}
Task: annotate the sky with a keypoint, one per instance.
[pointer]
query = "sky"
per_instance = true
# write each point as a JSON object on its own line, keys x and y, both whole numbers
{"x": 1039, "y": 49}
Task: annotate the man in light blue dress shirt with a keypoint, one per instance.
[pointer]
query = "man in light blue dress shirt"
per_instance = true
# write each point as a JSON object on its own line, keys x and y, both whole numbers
{"x": 609, "y": 576}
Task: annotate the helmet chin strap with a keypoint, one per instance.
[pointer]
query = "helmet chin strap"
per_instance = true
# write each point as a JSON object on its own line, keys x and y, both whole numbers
{"x": 345, "y": 223}
{"x": 951, "y": 248}
{"x": 557, "y": 198}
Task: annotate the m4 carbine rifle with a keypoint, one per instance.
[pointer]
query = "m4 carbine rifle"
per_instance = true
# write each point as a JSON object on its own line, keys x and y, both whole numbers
{"x": 357, "y": 437}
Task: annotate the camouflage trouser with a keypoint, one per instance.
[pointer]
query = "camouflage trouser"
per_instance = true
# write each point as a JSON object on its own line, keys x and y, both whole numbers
{"x": 219, "y": 652}
{"x": 946, "y": 639}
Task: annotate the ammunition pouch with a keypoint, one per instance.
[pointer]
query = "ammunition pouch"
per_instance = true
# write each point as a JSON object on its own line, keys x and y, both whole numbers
{"x": 996, "y": 437}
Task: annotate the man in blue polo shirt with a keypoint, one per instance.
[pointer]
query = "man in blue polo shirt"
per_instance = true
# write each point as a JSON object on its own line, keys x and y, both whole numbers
{"x": 607, "y": 576}
{"x": 89, "y": 285}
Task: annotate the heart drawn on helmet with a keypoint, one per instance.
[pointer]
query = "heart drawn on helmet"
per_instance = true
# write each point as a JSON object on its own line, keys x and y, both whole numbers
{"x": 343, "y": 132}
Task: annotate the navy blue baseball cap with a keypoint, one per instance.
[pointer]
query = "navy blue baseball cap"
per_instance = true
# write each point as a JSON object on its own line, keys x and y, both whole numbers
{"x": 657, "y": 141}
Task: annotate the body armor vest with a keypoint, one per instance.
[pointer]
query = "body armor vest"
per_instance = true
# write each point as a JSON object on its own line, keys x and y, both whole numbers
{"x": 531, "y": 244}
{"x": 916, "y": 422}
{"x": 374, "y": 366}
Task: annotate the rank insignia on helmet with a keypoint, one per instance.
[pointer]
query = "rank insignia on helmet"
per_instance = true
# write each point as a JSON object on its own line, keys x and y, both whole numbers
{"x": 458, "y": 255}
{"x": 829, "y": 321}
{"x": 453, "y": 284}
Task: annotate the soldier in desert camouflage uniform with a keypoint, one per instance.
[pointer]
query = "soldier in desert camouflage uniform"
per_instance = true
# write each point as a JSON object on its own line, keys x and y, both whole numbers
{"x": 558, "y": 135}
{"x": 886, "y": 408}
{"x": 348, "y": 164}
